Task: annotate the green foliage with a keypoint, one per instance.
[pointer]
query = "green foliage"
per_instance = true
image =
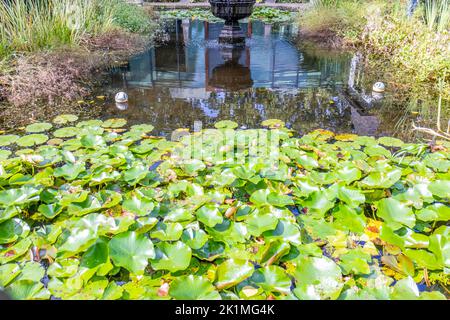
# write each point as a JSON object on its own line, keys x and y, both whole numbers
{"x": 131, "y": 17}
{"x": 324, "y": 223}
{"x": 265, "y": 14}
{"x": 33, "y": 25}
{"x": 415, "y": 47}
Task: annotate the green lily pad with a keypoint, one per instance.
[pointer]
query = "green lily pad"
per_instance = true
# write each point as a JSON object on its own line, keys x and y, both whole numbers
{"x": 114, "y": 123}
{"x": 190, "y": 287}
{"x": 7, "y": 139}
{"x": 273, "y": 123}
{"x": 65, "y": 118}
{"x": 32, "y": 140}
{"x": 38, "y": 127}
{"x": 272, "y": 279}
{"x": 66, "y": 132}
{"x": 131, "y": 251}
{"x": 209, "y": 215}
{"x": 172, "y": 257}
{"x": 396, "y": 213}
{"x": 231, "y": 272}
{"x": 226, "y": 124}
{"x": 317, "y": 279}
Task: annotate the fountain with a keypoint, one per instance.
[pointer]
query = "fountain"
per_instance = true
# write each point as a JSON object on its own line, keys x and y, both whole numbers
{"x": 232, "y": 11}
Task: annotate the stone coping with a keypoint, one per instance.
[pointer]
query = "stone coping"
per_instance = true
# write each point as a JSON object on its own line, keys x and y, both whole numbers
{"x": 189, "y": 5}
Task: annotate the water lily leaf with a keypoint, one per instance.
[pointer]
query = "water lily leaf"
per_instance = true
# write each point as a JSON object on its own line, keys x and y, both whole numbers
{"x": 318, "y": 202}
{"x": 114, "y": 123}
{"x": 191, "y": 166}
{"x": 91, "y": 204}
{"x": 63, "y": 268}
{"x": 231, "y": 272}
{"x": 8, "y": 272}
{"x": 390, "y": 142}
{"x": 210, "y": 251}
{"x": 32, "y": 271}
{"x": 96, "y": 255}
{"x": 65, "y": 118}
{"x": 209, "y": 215}
{"x": 349, "y": 174}
{"x": 4, "y": 154}
{"x": 32, "y": 140}
{"x": 226, "y": 124}
{"x": 167, "y": 231}
{"x": 66, "y": 132}
{"x": 395, "y": 213}
{"x": 50, "y": 210}
{"x": 284, "y": 231}
{"x": 38, "y": 127}
{"x": 259, "y": 222}
{"x": 26, "y": 289}
{"x": 434, "y": 212}
{"x": 131, "y": 251}
{"x": 194, "y": 238}
{"x": 273, "y": 123}
{"x": 440, "y": 188}
{"x": 355, "y": 261}
{"x": 384, "y": 179}
{"x": 21, "y": 196}
{"x": 349, "y": 219}
{"x": 179, "y": 215}
{"x": 191, "y": 287}
{"x": 424, "y": 259}
{"x": 138, "y": 206}
{"x": 69, "y": 171}
{"x": 92, "y": 141}
{"x": 7, "y": 139}
{"x": 142, "y": 128}
{"x": 272, "y": 279}
{"x": 259, "y": 197}
{"x": 172, "y": 257}
{"x": 351, "y": 197}
{"x": 405, "y": 289}
{"x": 279, "y": 200}
{"x": 377, "y": 150}
{"x": 317, "y": 279}
{"x": 135, "y": 174}
{"x": 112, "y": 292}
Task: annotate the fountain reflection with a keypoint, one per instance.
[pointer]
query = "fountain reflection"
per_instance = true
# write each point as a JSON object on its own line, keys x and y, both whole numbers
{"x": 232, "y": 74}
{"x": 192, "y": 77}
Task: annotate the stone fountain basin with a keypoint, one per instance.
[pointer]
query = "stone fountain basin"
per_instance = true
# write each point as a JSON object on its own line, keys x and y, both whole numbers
{"x": 232, "y": 10}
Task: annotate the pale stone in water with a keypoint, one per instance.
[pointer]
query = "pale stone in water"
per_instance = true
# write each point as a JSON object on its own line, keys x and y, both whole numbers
{"x": 379, "y": 87}
{"x": 121, "y": 97}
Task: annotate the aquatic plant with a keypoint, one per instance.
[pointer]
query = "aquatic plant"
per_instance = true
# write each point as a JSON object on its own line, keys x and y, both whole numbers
{"x": 29, "y": 26}
{"x": 265, "y": 14}
{"x": 103, "y": 211}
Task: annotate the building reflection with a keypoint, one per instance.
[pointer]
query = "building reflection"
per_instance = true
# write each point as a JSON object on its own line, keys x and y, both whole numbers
{"x": 191, "y": 78}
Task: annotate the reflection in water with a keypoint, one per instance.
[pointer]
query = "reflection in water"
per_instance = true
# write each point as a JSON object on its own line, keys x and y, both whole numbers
{"x": 192, "y": 78}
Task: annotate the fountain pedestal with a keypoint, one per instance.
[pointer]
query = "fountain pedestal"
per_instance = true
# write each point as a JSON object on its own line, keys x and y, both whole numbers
{"x": 232, "y": 11}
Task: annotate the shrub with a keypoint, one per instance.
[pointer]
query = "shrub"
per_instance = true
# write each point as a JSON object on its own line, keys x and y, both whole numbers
{"x": 131, "y": 18}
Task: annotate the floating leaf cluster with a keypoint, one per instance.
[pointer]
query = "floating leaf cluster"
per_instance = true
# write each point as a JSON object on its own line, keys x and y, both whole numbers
{"x": 96, "y": 211}
{"x": 264, "y": 14}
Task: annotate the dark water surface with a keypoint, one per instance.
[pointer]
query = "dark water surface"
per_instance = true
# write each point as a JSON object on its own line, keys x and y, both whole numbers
{"x": 191, "y": 78}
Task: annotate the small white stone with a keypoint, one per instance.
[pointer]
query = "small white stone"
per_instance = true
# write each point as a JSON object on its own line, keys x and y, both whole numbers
{"x": 378, "y": 87}
{"x": 121, "y": 97}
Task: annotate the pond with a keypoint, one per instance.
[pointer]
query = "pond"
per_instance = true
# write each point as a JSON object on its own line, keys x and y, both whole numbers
{"x": 191, "y": 78}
